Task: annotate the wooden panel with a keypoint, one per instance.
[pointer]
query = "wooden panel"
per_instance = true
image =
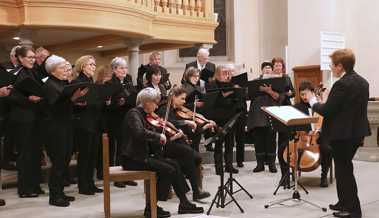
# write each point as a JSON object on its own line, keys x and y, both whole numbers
{"x": 311, "y": 73}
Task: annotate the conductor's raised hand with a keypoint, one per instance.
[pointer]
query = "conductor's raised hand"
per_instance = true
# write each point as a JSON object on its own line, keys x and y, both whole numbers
{"x": 79, "y": 93}
{"x": 34, "y": 99}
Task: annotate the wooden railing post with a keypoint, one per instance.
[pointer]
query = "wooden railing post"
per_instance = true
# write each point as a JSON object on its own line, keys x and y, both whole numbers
{"x": 208, "y": 8}
{"x": 185, "y": 7}
{"x": 191, "y": 6}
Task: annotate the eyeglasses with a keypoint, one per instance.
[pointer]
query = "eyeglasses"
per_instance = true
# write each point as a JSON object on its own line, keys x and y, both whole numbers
{"x": 30, "y": 57}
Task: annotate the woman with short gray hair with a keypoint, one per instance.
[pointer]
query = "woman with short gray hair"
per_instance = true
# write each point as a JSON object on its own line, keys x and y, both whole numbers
{"x": 120, "y": 104}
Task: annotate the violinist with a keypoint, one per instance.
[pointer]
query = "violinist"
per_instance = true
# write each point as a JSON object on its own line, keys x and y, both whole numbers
{"x": 181, "y": 150}
{"x": 226, "y": 106}
{"x": 142, "y": 150}
{"x": 153, "y": 80}
{"x": 325, "y": 152}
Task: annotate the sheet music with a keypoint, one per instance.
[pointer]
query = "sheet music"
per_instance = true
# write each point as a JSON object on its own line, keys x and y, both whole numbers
{"x": 289, "y": 115}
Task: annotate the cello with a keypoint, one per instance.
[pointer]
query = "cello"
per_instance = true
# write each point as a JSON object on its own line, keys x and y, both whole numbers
{"x": 308, "y": 158}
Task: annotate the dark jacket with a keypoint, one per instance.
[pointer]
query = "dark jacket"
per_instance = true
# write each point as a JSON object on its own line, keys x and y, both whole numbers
{"x": 345, "y": 111}
{"x": 87, "y": 117}
{"x": 22, "y": 110}
{"x": 115, "y": 111}
{"x": 192, "y": 91}
{"x": 137, "y": 146}
{"x": 224, "y": 108}
{"x": 288, "y": 87}
{"x": 206, "y": 73}
{"x": 60, "y": 110}
{"x": 144, "y": 69}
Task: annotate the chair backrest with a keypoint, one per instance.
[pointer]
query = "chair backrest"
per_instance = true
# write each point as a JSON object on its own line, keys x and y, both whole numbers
{"x": 105, "y": 142}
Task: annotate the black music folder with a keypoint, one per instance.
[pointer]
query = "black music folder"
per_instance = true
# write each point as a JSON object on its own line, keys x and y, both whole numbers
{"x": 30, "y": 86}
{"x": 6, "y": 78}
{"x": 240, "y": 80}
{"x": 99, "y": 93}
{"x": 277, "y": 84}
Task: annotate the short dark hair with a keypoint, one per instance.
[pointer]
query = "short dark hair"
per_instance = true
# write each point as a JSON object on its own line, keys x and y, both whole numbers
{"x": 306, "y": 84}
{"x": 152, "y": 69}
{"x": 279, "y": 60}
{"x": 345, "y": 57}
{"x": 22, "y": 51}
{"x": 176, "y": 91}
{"x": 265, "y": 64}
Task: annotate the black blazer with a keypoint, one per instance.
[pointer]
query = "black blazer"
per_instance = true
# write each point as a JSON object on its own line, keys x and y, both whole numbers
{"x": 117, "y": 112}
{"x": 21, "y": 109}
{"x": 87, "y": 117}
{"x": 345, "y": 111}
{"x": 138, "y": 145}
{"x": 211, "y": 68}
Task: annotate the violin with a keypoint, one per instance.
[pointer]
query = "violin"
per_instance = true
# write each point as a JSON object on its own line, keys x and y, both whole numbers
{"x": 306, "y": 143}
{"x": 166, "y": 127}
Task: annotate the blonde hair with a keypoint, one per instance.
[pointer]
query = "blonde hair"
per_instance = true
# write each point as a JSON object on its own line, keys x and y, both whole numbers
{"x": 102, "y": 72}
{"x": 222, "y": 67}
{"x": 80, "y": 63}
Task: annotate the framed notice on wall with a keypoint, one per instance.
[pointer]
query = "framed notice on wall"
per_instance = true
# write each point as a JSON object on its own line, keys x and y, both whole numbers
{"x": 330, "y": 41}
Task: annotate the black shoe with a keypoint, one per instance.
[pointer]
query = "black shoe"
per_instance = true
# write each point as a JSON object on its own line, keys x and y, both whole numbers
{"x": 259, "y": 168}
{"x": 188, "y": 207}
{"x": 68, "y": 198}
{"x": 336, "y": 207}
{"x": 96, "y": 189}
{"x": 86, "y": 192}
{"x": 120, "y": 184}
{"x": 59, "y": 202}
{"x": 324, "y": 182}
{"x": 2, "y": 202}
{"x": 28, "y": 195}
{"x": 231, "y": 169}
{"x": 39, "y": 191}
{"x": 345, "y": 214}
{"x": 240, "y": 165}
{"x": 272, "y": 167}
{"x": 160, "y": 212}
{"x": 200, "y": 195}
{"x": 131, "y": 183}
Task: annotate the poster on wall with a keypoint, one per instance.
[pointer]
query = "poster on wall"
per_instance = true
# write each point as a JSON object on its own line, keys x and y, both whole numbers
{"x": 329, "y": 42}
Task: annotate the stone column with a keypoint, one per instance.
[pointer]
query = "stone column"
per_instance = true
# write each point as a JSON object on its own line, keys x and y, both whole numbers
{"x": 370, "y": 150}
{"x": 133, "y": 48}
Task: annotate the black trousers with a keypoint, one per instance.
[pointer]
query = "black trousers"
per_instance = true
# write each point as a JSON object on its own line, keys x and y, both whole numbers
{"x": 188, "y": 159}
{"x": 265, "y": 146}
{"x": 115, "y": 143}
{"x": 283, "y": 141}
{"x": 240, "y": 137}
{"x": 228, "y": 142}
{"x": 59, "y": 149}
{"x": 347, "y": 190}
{"x": 168, "y": 173}
{"x": 87, "y": 159}
{"x": 29, "y": 158}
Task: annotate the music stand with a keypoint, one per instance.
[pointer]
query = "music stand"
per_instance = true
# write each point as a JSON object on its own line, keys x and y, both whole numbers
{"x": 227, "y": 188}
{"x": 292, "y": 118}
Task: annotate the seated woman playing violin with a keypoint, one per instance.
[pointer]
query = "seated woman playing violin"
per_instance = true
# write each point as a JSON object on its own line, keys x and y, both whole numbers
{"x": 142, "y": 150}
{"x": 179, "y": 148}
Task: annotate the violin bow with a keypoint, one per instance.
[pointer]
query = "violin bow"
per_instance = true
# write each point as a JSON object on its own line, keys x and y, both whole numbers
{"x": 169, "y": 96}
{"x": 194, "y": 107}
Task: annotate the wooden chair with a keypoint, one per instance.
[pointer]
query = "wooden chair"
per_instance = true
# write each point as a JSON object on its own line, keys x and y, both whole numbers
{"x": 117, "y": 174}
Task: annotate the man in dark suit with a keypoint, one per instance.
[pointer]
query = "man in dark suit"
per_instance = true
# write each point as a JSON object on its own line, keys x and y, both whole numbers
{"x": 202, "y": 63}
{"x": 344, "y": 127}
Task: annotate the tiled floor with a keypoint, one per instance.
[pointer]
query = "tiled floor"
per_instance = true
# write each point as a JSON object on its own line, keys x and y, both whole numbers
{"x": 129, "y": 202}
